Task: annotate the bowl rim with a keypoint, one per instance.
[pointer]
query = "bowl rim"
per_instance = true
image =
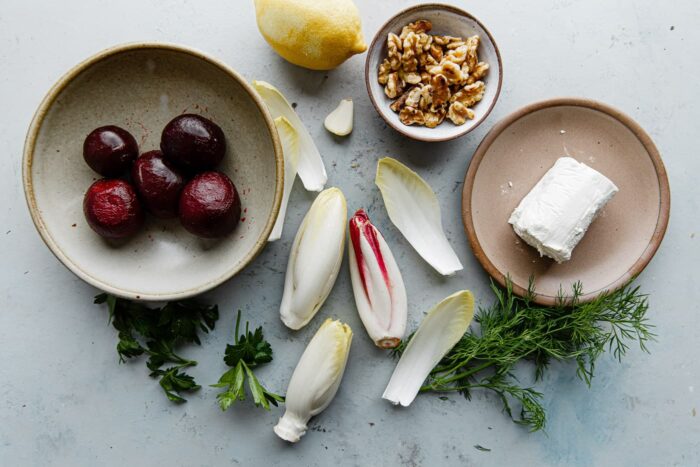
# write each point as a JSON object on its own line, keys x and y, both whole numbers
{"x": 30, "y": 146}
{"x": 403, "y": 128}
{"x": 651, "y": 149}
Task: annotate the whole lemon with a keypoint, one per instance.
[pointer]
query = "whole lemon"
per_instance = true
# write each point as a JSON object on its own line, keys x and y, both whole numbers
{"x": 315, "y": 34}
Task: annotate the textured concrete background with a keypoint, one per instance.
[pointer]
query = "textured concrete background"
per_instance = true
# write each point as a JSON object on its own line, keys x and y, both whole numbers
{"x": 64, "y": 400}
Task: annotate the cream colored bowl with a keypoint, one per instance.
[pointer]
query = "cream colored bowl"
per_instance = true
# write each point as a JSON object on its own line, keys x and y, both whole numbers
{"x": 141, "y": 87}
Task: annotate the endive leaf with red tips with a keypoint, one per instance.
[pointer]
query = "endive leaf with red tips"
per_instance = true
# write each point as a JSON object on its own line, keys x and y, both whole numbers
{"x": 380, "y": 295}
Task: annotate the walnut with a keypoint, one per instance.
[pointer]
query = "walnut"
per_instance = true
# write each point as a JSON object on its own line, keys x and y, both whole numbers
{"x": 394, "y": 50}
{"x": 394, "y": 86}
{"x": 420, "y": 26}
{"x": 440, "y": 91}
{"x": 455, "y": 44}
{"x": 458, "y": 55}
{"x": 411, "y": 115}
{"x": 434, "y": 118}
{"x": 424, "y": 42}
{"x": 436, "y": 52}
{"x": 422, "y": 48}
{"x": 409, "y": 60}
{"x": 426, "y": 97}
{"x": 458, "y": 113}
{"x": 469, "y": 94}
{"x": 450, "y": 70}
{"x": 384, "y": 70}
{"x": 399, "y": 103}
{"x": 431, "y": 77}
{"x": 472, "y": 57}
{"x": 445, "y": 40}
{"x": 411, "y": 77}
{"x": 413, "y": 97}
{"x": 479, "y": 72}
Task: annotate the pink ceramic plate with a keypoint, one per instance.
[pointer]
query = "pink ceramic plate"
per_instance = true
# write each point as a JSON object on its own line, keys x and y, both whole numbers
{"x": 515, "y": 155}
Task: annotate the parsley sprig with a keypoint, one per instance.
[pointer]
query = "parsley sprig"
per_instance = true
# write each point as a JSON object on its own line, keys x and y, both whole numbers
{"x": 515, "y": 329}
{"x": 247, "y": 352}
{"x": 156, "y": 332}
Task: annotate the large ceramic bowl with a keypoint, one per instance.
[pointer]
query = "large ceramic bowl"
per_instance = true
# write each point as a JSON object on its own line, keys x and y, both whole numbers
{"x": 141, "y": 87}
{"x": 446, "y": 20}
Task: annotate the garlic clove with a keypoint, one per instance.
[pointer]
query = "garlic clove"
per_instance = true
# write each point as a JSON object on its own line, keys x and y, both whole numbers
{"x": 315, "y": 259}
{"x": 339, "y": 122}
{"x": 380, "y": 294}
{"x": 316, "y": 379}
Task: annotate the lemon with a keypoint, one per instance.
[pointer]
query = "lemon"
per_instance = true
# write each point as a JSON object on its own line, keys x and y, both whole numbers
{"x": 315, "y": 34}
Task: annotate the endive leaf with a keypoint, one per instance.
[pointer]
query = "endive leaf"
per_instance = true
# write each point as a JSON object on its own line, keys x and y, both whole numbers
{"x": 380, "y": 294}
{"x": 315, "y": 259}
{"x": 440, "y": 330}
{"x": 290, "y": 147}
{"x": 316, "y": 378}
{"x": 311, "y": 169}
{"x": 414, "y": 210}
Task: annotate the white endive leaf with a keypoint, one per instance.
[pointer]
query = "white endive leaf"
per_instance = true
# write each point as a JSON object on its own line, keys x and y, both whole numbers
{"x": 315, "y": 379}
{"x": 311, "y": 169}
{"x": 377, "y": 284}
{"x": 440, "y": 330}
{"x": 315, "y": 259}
{"x": 290, "y": 147}
{"x": 339, "y": 122}
{"x": 414, "y": 210}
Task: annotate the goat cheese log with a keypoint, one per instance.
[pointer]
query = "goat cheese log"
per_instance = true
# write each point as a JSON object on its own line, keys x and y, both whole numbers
{"x": 555, "y": 214}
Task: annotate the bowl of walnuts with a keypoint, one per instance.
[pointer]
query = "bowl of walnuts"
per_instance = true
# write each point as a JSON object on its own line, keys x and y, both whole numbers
{"x": 433, "y": 72}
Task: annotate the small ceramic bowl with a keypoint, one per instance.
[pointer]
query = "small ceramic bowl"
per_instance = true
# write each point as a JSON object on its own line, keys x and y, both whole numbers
{"x": 141, "y": 87}
{"x": 446, "y": 20}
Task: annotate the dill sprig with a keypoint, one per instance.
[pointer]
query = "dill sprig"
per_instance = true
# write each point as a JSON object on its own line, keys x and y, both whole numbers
{"x": 515, "y": 328}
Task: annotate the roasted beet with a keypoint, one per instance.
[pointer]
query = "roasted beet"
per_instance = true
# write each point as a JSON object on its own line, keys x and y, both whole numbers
{"x": 209, "y": 205}
{"x": 110, "y": 150}
{"x": 112, "y": 208}
{"x": 157, "y": 183}
{"x": 193, "y": 143}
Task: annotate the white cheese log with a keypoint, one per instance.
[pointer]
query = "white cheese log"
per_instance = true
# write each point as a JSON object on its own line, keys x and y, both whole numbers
{"x": 556, "y": 213}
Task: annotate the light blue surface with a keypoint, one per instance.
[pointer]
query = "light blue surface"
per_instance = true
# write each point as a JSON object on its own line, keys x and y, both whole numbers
{"x": 64, "y": 400}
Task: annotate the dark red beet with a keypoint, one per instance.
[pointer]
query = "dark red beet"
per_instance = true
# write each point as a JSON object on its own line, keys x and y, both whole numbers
{"x": 209, "y": 205}
{"x": 110, "y": 150}
{"x": 157, "y": 183}
{"x": 193, "y": 143}
{"x": 112, "y": 209}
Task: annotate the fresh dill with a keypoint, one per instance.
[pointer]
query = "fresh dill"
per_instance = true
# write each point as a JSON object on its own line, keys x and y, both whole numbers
{"x": 515, "y": 329}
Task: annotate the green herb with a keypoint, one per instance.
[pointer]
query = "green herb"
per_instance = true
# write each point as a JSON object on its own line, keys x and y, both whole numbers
{"x": 247, "y": 352}
{"x": 156, "y": 332}
{"x": 514, "y": 329}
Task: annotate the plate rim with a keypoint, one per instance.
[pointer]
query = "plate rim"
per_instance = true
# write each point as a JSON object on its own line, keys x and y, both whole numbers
{"x": 30, "y": 146}
{"x": 651, "y": 149}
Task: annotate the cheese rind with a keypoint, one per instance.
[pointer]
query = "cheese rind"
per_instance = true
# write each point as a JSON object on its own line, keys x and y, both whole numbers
{"x": 556, "y": 213}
